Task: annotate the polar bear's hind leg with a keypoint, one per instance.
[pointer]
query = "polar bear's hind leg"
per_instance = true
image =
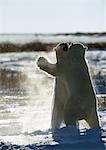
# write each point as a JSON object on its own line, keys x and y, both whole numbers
{"x": 57, "y": 116}
{"x": 69, "y": 115}
{"x": 92, "y": 120}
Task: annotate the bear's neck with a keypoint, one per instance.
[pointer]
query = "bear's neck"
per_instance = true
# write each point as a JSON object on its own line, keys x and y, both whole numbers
{"x": 75, "y": 59}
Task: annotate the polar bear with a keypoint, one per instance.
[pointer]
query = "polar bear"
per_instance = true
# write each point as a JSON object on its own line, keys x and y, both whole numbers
{"x": 72, "y": 70}
{"x": 60, "y": 93}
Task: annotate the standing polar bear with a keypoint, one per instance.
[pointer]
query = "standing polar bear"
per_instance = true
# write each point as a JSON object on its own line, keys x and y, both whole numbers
{"x": 78, "y": 101}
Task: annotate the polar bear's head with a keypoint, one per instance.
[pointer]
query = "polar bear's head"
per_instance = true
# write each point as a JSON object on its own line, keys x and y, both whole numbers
{"x": 77, "y": 50}
{"x": 61, "y": 51}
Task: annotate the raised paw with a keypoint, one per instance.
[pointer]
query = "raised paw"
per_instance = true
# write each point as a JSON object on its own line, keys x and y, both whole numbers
{"x": 42, "y": 62}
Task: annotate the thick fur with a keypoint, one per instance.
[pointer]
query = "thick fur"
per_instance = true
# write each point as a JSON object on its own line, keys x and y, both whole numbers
{"x": 60, "y": 92}
{"x": 79, "y": 100}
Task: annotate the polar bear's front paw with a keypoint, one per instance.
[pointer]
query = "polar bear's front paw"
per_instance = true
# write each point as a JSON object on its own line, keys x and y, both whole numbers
{"x": 42, "y": 62}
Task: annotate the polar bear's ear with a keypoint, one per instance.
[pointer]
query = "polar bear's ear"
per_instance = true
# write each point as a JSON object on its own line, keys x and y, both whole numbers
{"x": 70, "y": 44}
{"x": 85, "y": 47}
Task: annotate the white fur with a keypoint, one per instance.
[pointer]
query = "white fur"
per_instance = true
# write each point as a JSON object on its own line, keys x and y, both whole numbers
{"x": 74, "y": 94}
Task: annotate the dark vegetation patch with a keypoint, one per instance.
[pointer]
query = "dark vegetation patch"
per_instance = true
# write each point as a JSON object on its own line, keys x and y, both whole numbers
{"x": 38, "y": 46}
{"x": 43, "y": 46}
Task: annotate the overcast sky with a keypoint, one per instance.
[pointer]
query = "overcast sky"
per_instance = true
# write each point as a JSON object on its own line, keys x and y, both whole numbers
{"x": 52, "y": 16}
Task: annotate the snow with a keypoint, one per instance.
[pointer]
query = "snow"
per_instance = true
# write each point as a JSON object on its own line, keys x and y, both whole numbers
{"x": 67, "y": 138}
{"x": 25, "y": 110}
{"x": 49, "y": 38}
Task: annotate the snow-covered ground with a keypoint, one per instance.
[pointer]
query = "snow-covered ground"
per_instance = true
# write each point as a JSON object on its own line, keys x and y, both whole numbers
{"x": 49, "y": 38}
{"x": 26, "y": 95}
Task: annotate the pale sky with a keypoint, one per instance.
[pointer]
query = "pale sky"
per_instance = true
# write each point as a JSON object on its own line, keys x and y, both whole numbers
{"x": 52, "y": 16}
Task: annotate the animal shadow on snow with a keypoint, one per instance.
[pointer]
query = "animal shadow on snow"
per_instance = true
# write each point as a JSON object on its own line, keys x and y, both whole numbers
{"x": 72, "y": 138}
